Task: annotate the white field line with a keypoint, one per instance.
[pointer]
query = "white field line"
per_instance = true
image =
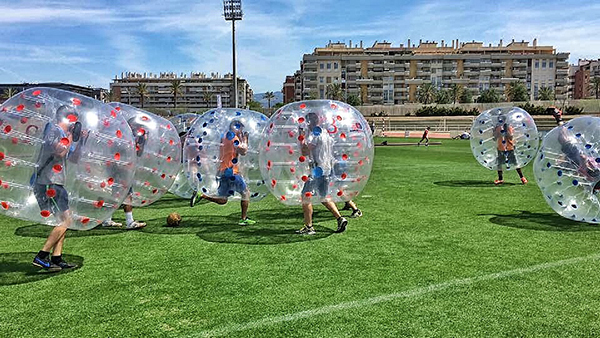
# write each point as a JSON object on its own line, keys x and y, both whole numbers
{"x": 225, "y": 330}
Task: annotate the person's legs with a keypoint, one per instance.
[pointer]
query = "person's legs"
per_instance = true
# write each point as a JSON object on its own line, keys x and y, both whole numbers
{"x": 355, "y": 210}
{"x": 129, "y": 221}
{"x": 56, "y": 235}
{"x": 218, "y": 200}
{"x": 427, "y": 141}
{"x": 332, "y": 208}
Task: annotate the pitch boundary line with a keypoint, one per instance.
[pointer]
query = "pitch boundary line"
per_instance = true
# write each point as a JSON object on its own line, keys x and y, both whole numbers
{"x": 225, "y": 330}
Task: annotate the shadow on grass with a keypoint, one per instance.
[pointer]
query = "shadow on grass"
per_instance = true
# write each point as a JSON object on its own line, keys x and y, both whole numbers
{"x": 469, "y": 184}
{"x": 169, "y": 202}
{"x": 275, "y": 226}
{"x": 42, "y": 231}
{"x": 16, "y": 268}
{"x": 540, "y": 222}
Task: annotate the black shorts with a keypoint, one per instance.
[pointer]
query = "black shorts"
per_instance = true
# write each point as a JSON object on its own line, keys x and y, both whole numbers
{"x": 51, "y": 197}
{"x": 507, "y": 158}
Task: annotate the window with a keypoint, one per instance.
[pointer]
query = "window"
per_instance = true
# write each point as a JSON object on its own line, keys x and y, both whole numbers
{"x": 321, "y": 93}
{"x": 535, "y": 91}
{"x": 551, "y": 64}
{"x": 543, "y": 63}
{"x": 320, "y": 79}
{"x": 329, "y": 79}
{"x": 336, "y": 79}
{"x": 537, "y": 64}
{"x": 322, "y": 66}
{"x": 329, "y": 65}
{"x": 335, "y": 65}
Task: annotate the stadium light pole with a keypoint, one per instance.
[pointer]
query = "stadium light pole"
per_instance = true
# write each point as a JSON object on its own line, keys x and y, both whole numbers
{"x": 232, "y": 10}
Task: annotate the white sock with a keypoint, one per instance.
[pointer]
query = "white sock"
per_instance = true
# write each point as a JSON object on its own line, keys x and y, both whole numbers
{"x": 129, "y": 217}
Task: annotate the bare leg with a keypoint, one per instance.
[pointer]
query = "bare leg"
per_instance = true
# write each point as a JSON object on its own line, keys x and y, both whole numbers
{"x": 245, "y": 203}
{"x": 57, "y": 235}
{"x": 307, "y": 208}
{"x": 333, "y": 209}
{"x": 127, "y": 208}
{"x": 352, "y": 205}
{"x": 218, "y": 200}
{"x": 58, "y": 247}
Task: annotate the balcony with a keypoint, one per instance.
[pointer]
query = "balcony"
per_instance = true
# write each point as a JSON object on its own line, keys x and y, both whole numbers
{"x": 414, "y": 81}
{"x": 364, "y": 80}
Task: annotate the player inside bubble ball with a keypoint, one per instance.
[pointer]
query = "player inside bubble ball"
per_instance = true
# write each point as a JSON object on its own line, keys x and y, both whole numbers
{"x": 586, "y": 165}
{"x": 318, "y": 146}
{"x": 233, "y": 145}
{"x": 141, "y": 136}
{"x": 504, "y": 135}
{"x": 61, "y": 143}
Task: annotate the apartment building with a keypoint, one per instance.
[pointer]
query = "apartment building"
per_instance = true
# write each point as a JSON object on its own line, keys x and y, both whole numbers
{"x": 580, "y": 76}
{"x": 96, "y": 93}
{"x": 197, "y": 90}
{"x": 289, "y": 89}
{"x": 386, "y": 74}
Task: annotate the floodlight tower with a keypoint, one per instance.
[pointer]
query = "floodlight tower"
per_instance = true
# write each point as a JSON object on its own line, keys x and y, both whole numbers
{"x": 232, "y": 10}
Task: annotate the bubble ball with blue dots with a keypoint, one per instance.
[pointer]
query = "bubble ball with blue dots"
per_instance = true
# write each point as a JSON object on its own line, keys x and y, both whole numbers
{"x": 504, "y": 138}
{"x": 567, "y": 169}
{"x": 221, "y": 154}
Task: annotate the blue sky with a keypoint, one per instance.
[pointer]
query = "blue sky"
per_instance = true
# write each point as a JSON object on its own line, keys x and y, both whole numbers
{"x": 89, "y": 42}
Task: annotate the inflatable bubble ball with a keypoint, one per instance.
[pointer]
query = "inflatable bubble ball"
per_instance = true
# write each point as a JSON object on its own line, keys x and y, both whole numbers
{"x": 157, "y": 151}
{"x": 504, "y": 138}
{"x": 182, "y": 123}
{"x": 315, "y": 151}
{"x": 66, "y": 159}
{"x": 221, "y": 154}
{"x": 567, "y": 169}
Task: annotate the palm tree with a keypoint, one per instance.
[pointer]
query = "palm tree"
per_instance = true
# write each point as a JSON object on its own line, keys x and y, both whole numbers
{"x": 426, "y": 93}
{"x": 142, "y": 92}
{"x": 334, "y": 92}
{"x": 176, "y": 89}
{"x": 516, "y": 92}
{"x": 312, "y": 95}
{"x": 546, "y": 94}
{"x": 488, "y": 96}
{"x": 595, "y": 82}
{"x": 207, "y": 97}
{"x": 456, "y": 91}
{"x": 9, "y": 92}
{"x": 269, "y": 96}
{"x": 442, "y": 96}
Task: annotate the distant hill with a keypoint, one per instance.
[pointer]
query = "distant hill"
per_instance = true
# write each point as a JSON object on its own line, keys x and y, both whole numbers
{"x": 259, "y": 97}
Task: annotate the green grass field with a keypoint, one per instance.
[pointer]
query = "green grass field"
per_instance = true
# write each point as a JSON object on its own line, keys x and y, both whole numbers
{"x": 440, "y": 251}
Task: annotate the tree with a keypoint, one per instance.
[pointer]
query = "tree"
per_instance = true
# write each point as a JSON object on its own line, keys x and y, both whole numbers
{"x": 426, "y": 93}
{"x": 207, "y": 97}
{"x": 334, "y": 92}
{"x": 353, "y": 100}
{"x": 595, "y": 83}
{"x": 269, "y": 96}
{"x": 313, "y": 95}
{"x": 456, "y": 91}
{"x": 546, "y": 94}
{"x": 466, "y": 96}
{"x": 176, "y": 89}
{"x": 278, "y": 105}
{"x": 516, "y": 92}
{"x": 488, "y": 96}
{"x": 9, "y": 92}
{"x": 254, "y": 105}
{"x": 443, "y": 97}
{"x": 142, "y": 92}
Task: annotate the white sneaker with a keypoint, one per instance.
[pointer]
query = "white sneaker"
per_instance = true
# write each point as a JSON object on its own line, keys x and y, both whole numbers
{"x": 135, "y": 225}
{"x": 111, "y": 224}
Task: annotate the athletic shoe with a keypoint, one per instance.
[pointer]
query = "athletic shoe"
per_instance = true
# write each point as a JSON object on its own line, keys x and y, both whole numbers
{"x": 498, "y": 182}
{"x": 135, "y": 225}
{"x": 342, "y": 224}
{"x": 306, "y": 230}
{"x": 193, "y": 199}
{"x": 65, "y": 266}
{"x": 346, "y": 206}
{"x": 111, "y": 224}
{"x": 356, "y": 214}
{"x": 523, "y": 180}
{"x": 246, "y": 221}
{"x": 45, "y": 264}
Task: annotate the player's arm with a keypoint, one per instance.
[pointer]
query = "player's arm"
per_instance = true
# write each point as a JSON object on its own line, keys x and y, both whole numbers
{"x": 304, "y": 148}
{"x": 242, "y": 148}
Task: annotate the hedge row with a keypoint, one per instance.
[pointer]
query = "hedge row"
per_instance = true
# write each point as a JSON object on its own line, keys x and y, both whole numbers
{"x": 458, "y": 111}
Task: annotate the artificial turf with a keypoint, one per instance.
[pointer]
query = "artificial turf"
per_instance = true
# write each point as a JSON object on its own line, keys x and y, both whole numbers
{"x": 434, "y": 234}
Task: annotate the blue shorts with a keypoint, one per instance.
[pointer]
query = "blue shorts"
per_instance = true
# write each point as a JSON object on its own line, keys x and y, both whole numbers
{"x": 51, "y": 197}
{"x": 316, "y": 186}
{"x": 230, "y": 184}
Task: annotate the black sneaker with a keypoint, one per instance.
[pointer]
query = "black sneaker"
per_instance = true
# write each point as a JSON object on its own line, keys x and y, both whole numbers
{"x": 346, "y": 206}
{"x": 356, "y": 214}
{"x": 45, "y": 264}
{"x": 193, "y": 199}
{"x": 342, "y": 224}
{"x": 64, "y": 265}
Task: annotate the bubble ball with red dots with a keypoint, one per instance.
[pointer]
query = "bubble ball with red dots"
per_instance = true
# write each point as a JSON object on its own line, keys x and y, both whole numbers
{"x": 316, "y": 151}
{"x": 158, "y": 154}
{"x": 183, "y": 123}
{"x": 567, "y": 169}
{"x": 221, "y": 154}
{"x": 56, "y": 145}
{"x": 504, "y": 138}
